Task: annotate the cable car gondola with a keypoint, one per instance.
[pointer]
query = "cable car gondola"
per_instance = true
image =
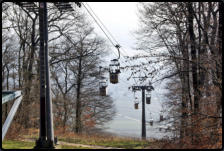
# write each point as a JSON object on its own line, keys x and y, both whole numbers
{"x": 103, "y": 84}
{"x": 136, "y": 103}
{"x": 103, "y": 87}
{"x": 114, "y": 69}
{"x": 148, "y": 98}
{"x": 161, "y": 116}
{"x": 160, "y": 128}
{"x": 151, "y": 120}
{"x": 168, "y": 127}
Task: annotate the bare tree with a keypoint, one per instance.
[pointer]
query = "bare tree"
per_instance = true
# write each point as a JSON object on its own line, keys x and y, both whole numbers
{"x": 187, "y": 32}
{"x": 77, "y": 60}
{"x": 69, "y": 32}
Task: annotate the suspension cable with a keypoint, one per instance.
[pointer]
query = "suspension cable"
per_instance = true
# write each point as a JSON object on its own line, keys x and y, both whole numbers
{"x": 106, "y": 34}
{"x": 104, "y": 26}
{"x": 98, "y": 24}
{"x": 107, "y": 31}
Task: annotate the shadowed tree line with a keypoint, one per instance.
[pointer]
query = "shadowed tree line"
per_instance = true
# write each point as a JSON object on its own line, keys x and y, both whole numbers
{"x": 181, "y": 43}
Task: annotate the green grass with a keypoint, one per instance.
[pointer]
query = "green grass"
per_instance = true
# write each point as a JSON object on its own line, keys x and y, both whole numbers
{"x": 123, "y": 144}
{"x": 128, "y": 144}
{"x": 12, "y": 144}
{"x": 95, "y": 140}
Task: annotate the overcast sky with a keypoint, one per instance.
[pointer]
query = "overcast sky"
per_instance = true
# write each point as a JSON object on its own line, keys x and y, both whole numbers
{"x": 120, "y": 19}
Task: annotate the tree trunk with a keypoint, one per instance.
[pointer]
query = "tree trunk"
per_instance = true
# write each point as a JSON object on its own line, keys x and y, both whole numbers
{"x": 7, "y": 86}
{"x": 219, "y": 74}
{"x": 65, "y": 111}
{"x": 194, "y": 59}
{"x": 200, "y": 55}
{"x": 78, "y": 102}
{"x": 185, "y": 94}
{"x": 29, "y": 75}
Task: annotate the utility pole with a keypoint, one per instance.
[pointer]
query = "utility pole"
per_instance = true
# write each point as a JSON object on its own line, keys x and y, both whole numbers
{"x": 143, "y": 88}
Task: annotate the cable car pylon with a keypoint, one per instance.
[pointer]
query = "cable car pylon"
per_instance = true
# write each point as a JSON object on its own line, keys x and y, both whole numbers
{"x": 143, "y": 88}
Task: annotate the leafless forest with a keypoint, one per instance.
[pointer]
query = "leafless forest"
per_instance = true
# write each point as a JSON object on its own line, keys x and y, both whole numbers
{"x": 190, "y": 33}
{"x": 75, "y": 54}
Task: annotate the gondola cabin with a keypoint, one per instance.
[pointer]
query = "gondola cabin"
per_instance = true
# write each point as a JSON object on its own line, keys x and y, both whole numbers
{"x": 114, "y": 70}
{"x": 161, "y": 116}
{"x": 136, "y": 103}
{"x": 165, "y": 128}
{"x": 168, "y": 126}
{"x": 103, "y": 87}
{"x": 160, "y": 128}
{"x": 148, "y": 98}
{"x": 151, "y": 122}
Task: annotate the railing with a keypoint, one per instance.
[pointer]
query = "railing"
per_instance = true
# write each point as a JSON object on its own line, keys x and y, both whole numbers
{"x": 6, "y": 97}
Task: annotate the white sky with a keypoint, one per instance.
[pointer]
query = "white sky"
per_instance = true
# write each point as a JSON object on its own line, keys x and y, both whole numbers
{"x": 120, "y": 19}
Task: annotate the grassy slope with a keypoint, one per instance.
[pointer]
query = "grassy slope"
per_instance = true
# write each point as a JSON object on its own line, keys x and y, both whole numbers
{"x": 128, "y": 144}
{"x": 99, "y": 140}
{"x": 13, "y": 144}
{"x": 108, "y": 142}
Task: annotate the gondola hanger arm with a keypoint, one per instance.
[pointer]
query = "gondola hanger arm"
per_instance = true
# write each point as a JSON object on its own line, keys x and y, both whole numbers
{"x": 118, "y": 46}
